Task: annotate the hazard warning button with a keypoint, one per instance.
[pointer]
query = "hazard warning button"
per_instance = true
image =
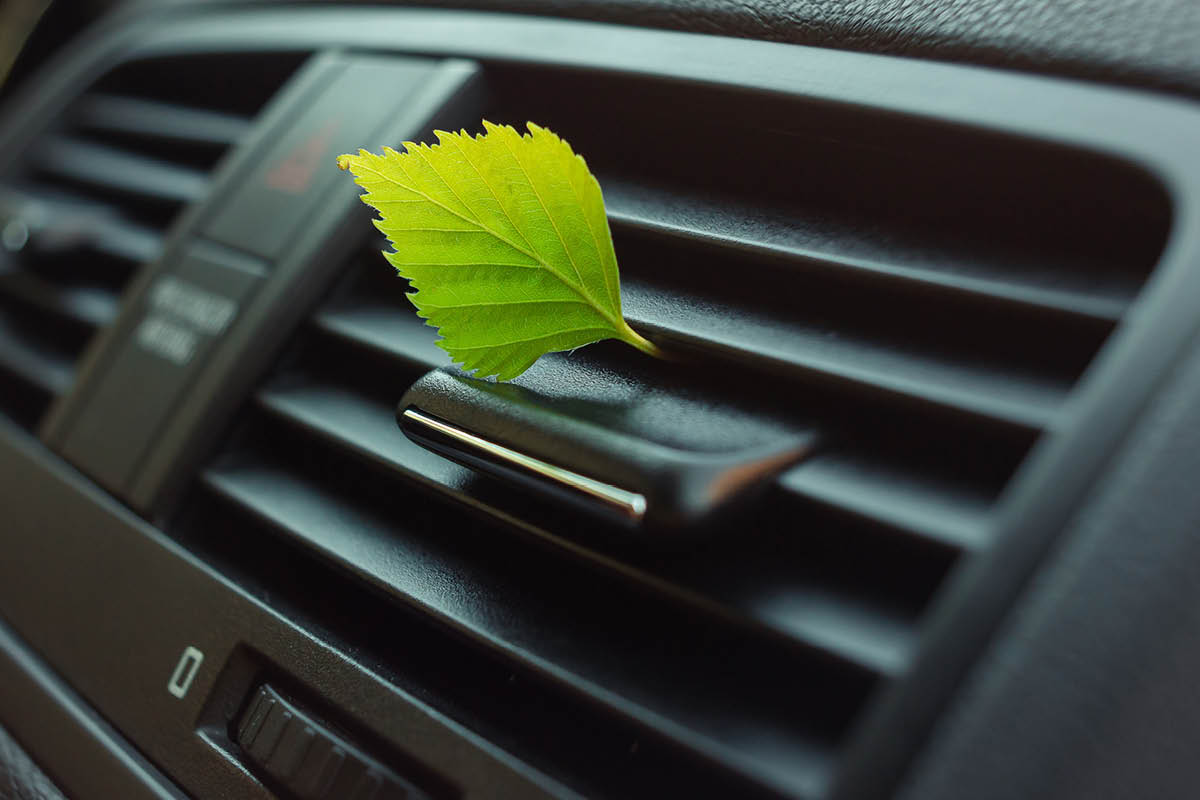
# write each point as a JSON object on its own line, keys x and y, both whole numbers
{"x": 293, "y": 173}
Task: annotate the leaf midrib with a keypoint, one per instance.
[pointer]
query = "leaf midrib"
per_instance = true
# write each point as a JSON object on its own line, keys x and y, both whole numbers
{"x": 492, "y": 345}
{"x": 466, "y": 157}
{"x": 545, "y": 208}
{"x": 502, "y": 303}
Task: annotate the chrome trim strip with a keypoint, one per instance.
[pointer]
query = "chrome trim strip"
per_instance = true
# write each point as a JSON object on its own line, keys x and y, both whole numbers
{"x": 630, "y": 504}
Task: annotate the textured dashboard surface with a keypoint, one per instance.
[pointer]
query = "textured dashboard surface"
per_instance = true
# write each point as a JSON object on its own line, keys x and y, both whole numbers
{"x": 1153, "y": 43}
{"x": 20, "y": 778}
{"x": 1091, "y": 693}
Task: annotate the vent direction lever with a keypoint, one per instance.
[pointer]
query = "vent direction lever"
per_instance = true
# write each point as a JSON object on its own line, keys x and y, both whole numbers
{"x": 545, "y": 446}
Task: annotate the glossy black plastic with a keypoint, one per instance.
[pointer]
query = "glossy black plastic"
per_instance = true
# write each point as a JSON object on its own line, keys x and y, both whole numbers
{"x": 663, "y": 489}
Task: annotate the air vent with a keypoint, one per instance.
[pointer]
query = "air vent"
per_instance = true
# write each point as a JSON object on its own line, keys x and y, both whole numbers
{"x": 94, "y": 197}
{"x": 921, "y": 297}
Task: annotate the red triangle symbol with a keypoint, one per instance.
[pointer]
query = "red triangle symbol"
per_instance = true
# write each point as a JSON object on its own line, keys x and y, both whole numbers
{"x": 294, "y": 173}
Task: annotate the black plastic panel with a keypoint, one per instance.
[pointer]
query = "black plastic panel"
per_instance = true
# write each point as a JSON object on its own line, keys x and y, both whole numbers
{"x": 119, "y": 626}
{"x": 182, "y": 317}
{"x": 283, "y": 189}
{"x": 85, "y": 756}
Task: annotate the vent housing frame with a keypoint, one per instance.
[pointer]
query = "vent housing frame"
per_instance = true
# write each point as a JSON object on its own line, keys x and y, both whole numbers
{"x": 285, "y": 401}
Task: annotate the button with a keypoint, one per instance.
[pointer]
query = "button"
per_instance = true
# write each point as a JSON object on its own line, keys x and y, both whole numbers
{"x": 291, "y": 180}
{"x": 179, "y": 319}
{"x": 308, "y": 760}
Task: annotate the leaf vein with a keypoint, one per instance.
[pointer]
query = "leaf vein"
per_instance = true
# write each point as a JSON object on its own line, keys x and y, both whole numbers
{"x": 424, "y": 229}
{"x": 553, "y": 224}
{"x": 447, "y": 208}
{"x": 595, "y": 240}
{"x": 427, "y": 263}
{"x": 491, "y": 191}
{"x": 499, "y": 237}
{"x": 418, "y": 151}
{"x": 502, "y": 303}
{"x": 605, "y": 331}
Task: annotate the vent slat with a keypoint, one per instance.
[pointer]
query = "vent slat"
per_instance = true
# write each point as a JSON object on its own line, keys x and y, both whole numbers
{"x": 764, "y": 233}
{"x": 614, "y": 656}
{"x": 107, "y": 168}
{"x": 366, "y": 428}
{"x": 140, "y": 117}
{"x": 858, "y": 633}
{"x": 392, "y": 330}
{"x": 898, "y": 501}
{"x": 127, "y": 240}
{"x": 47, "y": 370}
{"x": 740, "y": 339}
{"x": 72, "y": 221}
{"x": 736, "y": 336}
{"x": 91, "y": 306}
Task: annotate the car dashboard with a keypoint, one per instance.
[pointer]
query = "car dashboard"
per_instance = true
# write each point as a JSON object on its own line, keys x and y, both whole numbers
{"x": 963, "y": 299}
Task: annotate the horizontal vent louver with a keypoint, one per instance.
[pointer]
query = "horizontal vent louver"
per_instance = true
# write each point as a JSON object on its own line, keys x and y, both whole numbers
{"x": 93, "y": 198}
{"x": 922, "y": 298}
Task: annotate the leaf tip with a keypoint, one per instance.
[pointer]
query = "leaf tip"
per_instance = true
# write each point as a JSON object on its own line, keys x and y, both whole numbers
{"x": 343, "y": 161}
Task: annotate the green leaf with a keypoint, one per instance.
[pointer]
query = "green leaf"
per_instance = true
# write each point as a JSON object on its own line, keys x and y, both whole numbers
{"x": 506, "y": 241}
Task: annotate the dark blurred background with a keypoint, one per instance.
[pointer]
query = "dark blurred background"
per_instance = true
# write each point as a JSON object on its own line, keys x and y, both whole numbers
{"x": 32, "y": 29}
